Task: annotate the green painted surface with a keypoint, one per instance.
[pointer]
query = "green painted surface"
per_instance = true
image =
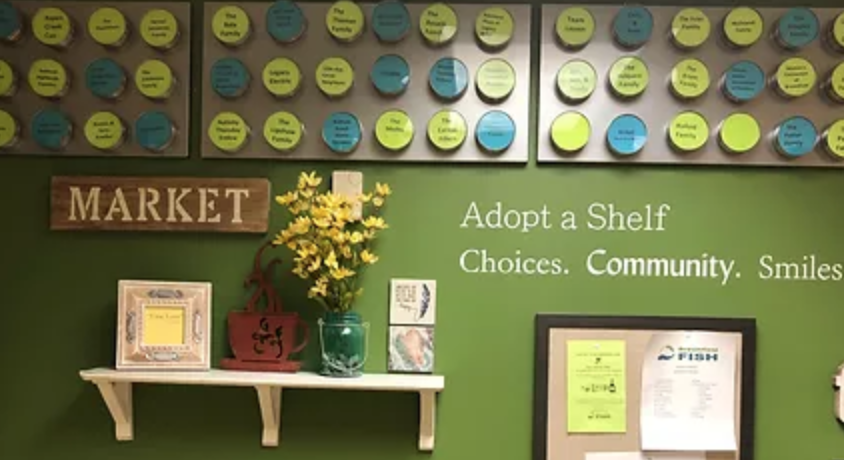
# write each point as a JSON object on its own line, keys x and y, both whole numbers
{"x": 59, "y": 290}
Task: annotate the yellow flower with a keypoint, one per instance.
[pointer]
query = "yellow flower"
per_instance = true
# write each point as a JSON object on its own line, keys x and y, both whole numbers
{"x": 383, "y": 189}
{"x": 309, "y": 180}
{"x": 375, "y": 222}
{"x": 302, "y": 225}
{"x": 365, "y": 198}
{"x": 318, "y": 290}
{"x": 314, "y": 266}
{"x": 341, "y": 273}
{"x": 331, "y": 260}
{"x": 346, "y": 252}
{"x": 322, "y": 223}
{"x": 300, "y": 273}
{"x": 378, "y": 201}
{"x": 320, "y": 212}
{"x": 368, "y": 257}
{"x": 368, "y": 234}
{"x": 287, "y": 198}
{"x": 356, "y": 238}
{"x": 291, "y": 245}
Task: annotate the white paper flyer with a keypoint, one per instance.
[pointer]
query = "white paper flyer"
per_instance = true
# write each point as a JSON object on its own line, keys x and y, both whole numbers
{"x": 688, "y": 392}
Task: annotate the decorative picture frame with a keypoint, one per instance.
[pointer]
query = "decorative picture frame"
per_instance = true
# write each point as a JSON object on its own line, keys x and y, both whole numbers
{"x": 550, "y": 442}
{"x": 163, "y": 325}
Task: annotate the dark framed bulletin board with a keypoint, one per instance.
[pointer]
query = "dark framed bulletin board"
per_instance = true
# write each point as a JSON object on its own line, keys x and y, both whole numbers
{"x": 554, "y": 439}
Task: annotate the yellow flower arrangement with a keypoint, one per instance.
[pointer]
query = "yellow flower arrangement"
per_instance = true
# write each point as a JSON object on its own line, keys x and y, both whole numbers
{"x": 331, "y": 246}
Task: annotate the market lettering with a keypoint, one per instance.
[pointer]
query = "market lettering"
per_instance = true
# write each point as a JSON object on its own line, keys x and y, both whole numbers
{"x": 160, "y": 204}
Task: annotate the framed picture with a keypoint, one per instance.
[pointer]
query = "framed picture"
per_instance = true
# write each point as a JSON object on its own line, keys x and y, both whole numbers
{"x": 413, "y": 302}
{"x": 163, "y": 325}
{"x": 411, "y": 349}
{"x": 613, "y": 387}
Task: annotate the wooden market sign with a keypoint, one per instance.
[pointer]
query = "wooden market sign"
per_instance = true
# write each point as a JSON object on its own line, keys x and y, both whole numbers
{"x": 160, "y": 204}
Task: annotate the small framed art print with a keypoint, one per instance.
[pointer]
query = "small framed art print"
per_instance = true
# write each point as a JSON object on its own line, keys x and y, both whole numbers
{"x": 413, "y": 302}
{"x": 163, "y": 325}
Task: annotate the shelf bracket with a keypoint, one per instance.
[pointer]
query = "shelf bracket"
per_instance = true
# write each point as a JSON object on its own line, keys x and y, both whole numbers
{"x": 427, "y": 420}
{"x": 118, "y": 399}
{"x": 269, "y": 398}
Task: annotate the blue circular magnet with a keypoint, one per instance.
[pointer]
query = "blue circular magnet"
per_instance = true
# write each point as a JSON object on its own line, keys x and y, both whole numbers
{"x": 390, "y": 74}
{"x": 449, "y": 78}
{"x": 495, "y": 131}
{"x": 154, "y": 131}
{"x": 391, "y": 21}
{"x": 341, "y": 132}
{"x": 796, "y": 136}
{"x": 10, "y": 22}
{"x": 627, "y": 135}
{"x": 743, "y": 81}
{"x": 285, "y": 21}
{"x": 105, "y": 78}
{"x": 632, "y": 26}
{"x": 229, "y": 77}
{"x": 797, "y": 27}
{"x": 51, "y": 129}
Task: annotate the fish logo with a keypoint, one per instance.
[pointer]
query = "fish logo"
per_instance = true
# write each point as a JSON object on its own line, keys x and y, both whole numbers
{"x": 666, "y": 354}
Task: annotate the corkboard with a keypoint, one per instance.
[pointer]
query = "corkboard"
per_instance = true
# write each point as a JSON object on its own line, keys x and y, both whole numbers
{"x": 657, "y": 106}
{"x": 312, "y": 107}
{"x": 78, "y": 103}
{"x": 551, "y": 439}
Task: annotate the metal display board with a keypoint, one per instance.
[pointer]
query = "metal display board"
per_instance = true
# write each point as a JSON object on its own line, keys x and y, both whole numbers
{"x": 311, "y": 107}
{"x": 79, "y": 103}
{"x": 657, "y": 105}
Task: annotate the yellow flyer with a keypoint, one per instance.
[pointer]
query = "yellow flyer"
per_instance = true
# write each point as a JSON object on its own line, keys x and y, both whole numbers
{"x": 597, "y": 394}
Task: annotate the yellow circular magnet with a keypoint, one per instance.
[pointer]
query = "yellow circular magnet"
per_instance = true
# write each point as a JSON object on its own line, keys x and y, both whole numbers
{"x": 160, "y": 29}
{"x": 9, "y": 130}
{"x": 689, "y": 79}
{"x": 628, "y": 77}
{"x": 576, "y": 81}
{"x": 494, "y": 27}
{"x": 228, "y": 132}
{"x": 438, "y": 24}
{"x": 335, "y": 77}
{"x": 795, "y": 77}
{"x": 8, "y": 79}
{"x": 107, "y": 26}
{"x": 231, "y": 25}
{"x": 345, "y": 21}
{"x": 447, "y": 130}
{"x": 570, "y": 132}
{"x": 495, "y": 80}
{"x": 688, "y": 132}
{"x": 52, "y": 27}
{"x": 739, "y": 133}
{"x": 394, "y": 130}
{"x": 690, "y": 28}
{"x": 575, "y": 27}
{"x": 155, "y": 79}
{"x": 282, "y": 77}
{"x": 48, "y": 78}
{"x": 283, "y": 131}
{"x": 743, "y": 26}
{"x": 105, "y": 131}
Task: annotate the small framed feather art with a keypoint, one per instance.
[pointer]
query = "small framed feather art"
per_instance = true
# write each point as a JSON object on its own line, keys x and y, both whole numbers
{"x": 411, "y": 349}
{"x": 413, "y": 302}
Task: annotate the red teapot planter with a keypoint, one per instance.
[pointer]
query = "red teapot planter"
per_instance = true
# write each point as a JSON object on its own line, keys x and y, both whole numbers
{"x": 264, "y": 340}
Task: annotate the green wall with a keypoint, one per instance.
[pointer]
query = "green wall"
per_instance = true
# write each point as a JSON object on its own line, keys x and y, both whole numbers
{"x": 59, "y": 290}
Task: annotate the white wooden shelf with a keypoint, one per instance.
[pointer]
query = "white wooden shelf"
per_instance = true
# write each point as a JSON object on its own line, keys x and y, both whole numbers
{"x": 116, "y": 389}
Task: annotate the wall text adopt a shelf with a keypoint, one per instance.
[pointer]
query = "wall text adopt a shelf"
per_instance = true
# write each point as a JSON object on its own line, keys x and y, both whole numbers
{"x": 233, "y": 205}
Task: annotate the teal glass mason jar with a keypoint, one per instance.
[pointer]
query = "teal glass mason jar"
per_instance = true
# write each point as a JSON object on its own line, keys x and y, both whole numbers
{"x": 344, "y": 342}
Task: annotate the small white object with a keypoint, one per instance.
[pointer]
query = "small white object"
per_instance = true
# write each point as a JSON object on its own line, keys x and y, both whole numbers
{"x": 350, "y": 185}
{"x": 116, "y": 389}
{"x": 839, "y": 393}
{"x": 413, "y": 302}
